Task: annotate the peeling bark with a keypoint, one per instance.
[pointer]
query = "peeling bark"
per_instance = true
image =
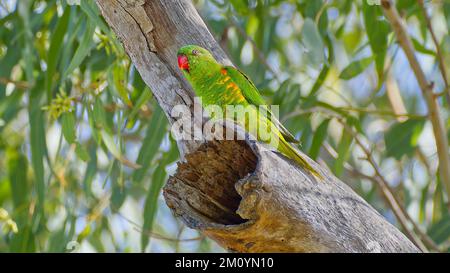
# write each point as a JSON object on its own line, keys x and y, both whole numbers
{"x": 240, "y": 193}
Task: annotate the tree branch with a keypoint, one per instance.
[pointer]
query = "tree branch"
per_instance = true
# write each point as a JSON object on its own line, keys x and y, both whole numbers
{"x": 243, "y": 195}
{"x": 400, "y": 212}
{"x": 440, "y": 57}
{"x": 427, "y": 90}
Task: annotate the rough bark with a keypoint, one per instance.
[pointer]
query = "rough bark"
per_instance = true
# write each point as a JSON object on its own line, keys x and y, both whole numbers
{"x": 240, "y": 193}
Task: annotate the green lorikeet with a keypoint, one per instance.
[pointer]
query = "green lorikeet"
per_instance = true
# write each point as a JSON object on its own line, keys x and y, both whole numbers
{"x": 221, "y": 85}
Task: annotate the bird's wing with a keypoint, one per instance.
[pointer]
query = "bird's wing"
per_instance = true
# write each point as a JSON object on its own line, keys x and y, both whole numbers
{"x": 251, "y": 94}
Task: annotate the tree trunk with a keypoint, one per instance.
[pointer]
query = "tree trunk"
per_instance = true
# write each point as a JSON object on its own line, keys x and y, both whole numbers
{"x": 240, "y": 193}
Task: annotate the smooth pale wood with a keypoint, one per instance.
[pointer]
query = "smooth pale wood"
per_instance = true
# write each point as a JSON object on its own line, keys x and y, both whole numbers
{"x": 242, "y": 194}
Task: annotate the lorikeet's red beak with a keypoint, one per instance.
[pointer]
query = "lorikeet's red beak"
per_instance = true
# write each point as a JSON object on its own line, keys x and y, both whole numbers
{"x": 183, "y": 62}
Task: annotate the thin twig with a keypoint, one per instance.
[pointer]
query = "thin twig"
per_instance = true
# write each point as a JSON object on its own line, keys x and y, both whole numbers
{"x": 321, "y": 11}
{"x": 399, "y": 107}
{"x": 18, "y": 84}
{"x": 400, "y": 212}
{"x": 395, "y": 98}
{"x": 320, "y": 109}
{"x": 5, "y": 6}
{"x": 427, "y": 90}
{"x": 154, "y": 235}
{"x": 421, "y": 239}
{"x": 160, "y": 237}
{"x": 381, "y": 112}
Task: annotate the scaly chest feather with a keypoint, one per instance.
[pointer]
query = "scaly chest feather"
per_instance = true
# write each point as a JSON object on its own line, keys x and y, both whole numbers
{"x": 218, "y": 89}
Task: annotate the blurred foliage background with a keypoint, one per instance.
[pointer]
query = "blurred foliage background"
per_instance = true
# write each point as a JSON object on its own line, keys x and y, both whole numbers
{"x": 85, "y": 150}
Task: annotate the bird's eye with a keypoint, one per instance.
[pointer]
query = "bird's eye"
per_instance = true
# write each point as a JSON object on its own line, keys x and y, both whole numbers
{"x": 195, "y": 52}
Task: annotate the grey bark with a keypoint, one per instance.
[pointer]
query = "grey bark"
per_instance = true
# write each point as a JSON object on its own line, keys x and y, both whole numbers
{"x": 241, "y": 193}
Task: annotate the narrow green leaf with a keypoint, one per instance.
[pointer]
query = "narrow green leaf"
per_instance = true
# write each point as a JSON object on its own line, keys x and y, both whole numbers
{"x": 54, "y": 50}
{"x": 83, "y": 49}
{"x": 108, "y": 140}
{"x": 154, "y": 135}
{"x": 355, "y": 68}
{"x": 119, "y": 75}
{"x": 241, "y": 6}
{"x": 90, "y": 9}
{"x": 439, "y": 203}
{"x": 440, "y": 231}
{"x": 91, "y": 170}
{"x": 377, "y": 29}
{"x": 279, "y": 96}
{"x": 311, "y": 9}
{"x": 68, "y": 126}
{"x": 343, "y": 151}
{"x": 28, "y": 49}
{"x": 7, "y": 63}
{"x": 82, "y": 153}
{"x": 325, "y": 69}
{"x": 84, "y": 233}
{"x": 151, "y": 202}
{"x": 23, "y": 241}
{"x": 145, "y": 96}
{"x": 73, "y": 29}
{"x": 292, "y": 98}
{"x": 446, "y": 8}
{"x": 96, "y": 241}
{"x": 99, "y": 114}
{"x": 37, "y": 143}
{"x": 423, "y": 202}
{"x": 92, "y": 12}
{"x": 112, "y": 147}
{"x": 94, "y": 126}
{"x": 421, "y": 48}
{"x": 401, "y": 138}
{"x": 17, "y": 169}
{"x": 119, "y": 191}
{"x": 313, "y": 42}
{"x": 58, "y": 240}
{"x": 318, "y": 139}
{"x": 137, "y": 81}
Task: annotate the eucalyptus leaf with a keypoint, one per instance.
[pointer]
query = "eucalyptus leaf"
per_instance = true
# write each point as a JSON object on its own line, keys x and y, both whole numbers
{"x": 319, "y": 137}
{"x": 55, "y": 50}
{"x": 82, "y": 50}
{"x": 401, "y": 138}
{"x": 313, "y": 42}
{"x": 377, "y": 29}
{"x": 151, "y": 202}
{"x": 355, "y": 68}
{"x": 440, "y": 231}
{"x": 68, "y": 123}
{"x": 150, "y": 145}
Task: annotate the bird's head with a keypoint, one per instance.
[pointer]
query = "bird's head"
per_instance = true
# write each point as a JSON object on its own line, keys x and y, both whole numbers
{"x": 194, "y": 59}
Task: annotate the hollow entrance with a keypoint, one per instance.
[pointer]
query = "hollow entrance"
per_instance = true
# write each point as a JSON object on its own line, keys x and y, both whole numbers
{"x": 206, "y": 181}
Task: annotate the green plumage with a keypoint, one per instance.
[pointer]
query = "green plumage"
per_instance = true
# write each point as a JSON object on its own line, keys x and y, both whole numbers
{"x": 224, "y": 85}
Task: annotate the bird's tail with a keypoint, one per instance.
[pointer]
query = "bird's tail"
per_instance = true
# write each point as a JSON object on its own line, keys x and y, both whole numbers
{"x": 292, "y": 153}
